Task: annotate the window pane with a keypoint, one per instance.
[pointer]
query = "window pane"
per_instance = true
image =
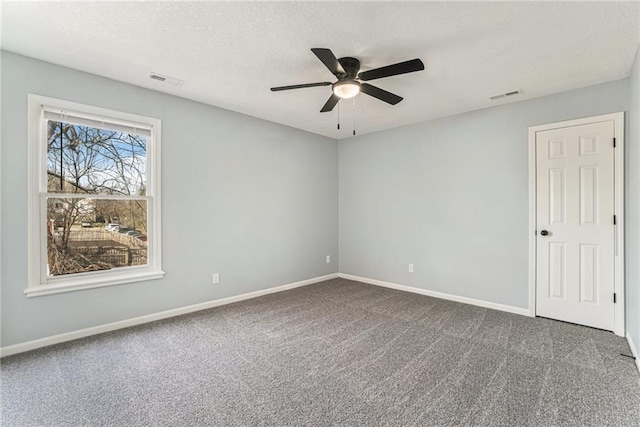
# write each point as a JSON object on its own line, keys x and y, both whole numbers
{"x": 95, "y": 234}
{"x": 83, "y": 159}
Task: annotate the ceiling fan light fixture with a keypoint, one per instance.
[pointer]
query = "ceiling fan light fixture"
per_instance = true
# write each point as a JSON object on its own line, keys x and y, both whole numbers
{"x": 346, "y": 88}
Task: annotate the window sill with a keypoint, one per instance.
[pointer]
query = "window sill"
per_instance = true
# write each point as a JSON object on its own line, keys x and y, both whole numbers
{"x": 82, "y": 283}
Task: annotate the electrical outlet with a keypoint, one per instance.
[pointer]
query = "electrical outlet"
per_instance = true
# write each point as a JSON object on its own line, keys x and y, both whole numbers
{"x": 328, "y": 259}
{"x": 216, "y": 278}
{"x": 410, "y": 268}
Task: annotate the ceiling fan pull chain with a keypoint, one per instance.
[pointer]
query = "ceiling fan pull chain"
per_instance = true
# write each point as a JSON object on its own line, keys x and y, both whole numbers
{"x": 354, "y": 116}
{"x": 338, "y": 116}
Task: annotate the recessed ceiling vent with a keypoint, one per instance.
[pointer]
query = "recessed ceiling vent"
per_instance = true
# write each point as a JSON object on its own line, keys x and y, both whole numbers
{"x": 503, "y": 95}
{"x": 166, "y": 79}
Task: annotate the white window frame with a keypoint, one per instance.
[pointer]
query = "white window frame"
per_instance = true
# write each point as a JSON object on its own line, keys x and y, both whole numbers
{"x": 38, "y": 281}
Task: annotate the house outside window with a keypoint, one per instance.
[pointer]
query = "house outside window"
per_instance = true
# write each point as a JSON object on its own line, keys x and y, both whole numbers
{"x": 94, "y": 197}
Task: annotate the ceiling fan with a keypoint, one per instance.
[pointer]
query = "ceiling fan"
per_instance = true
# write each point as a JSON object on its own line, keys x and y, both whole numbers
{"x": 349, "y": 82}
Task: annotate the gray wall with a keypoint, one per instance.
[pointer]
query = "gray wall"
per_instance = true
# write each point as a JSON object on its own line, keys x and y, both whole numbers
{"x": 633, "y": 207}
{"x": 451, "y": 196}
{"x": 257, "y": 202}
{"x": 252, "y": 200}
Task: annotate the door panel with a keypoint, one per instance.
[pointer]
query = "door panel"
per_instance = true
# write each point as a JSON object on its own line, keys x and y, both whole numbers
{"x": 557, "y": 270}
{"x": 575, "y": 204}
{"x": 589, "y": 195}
{"x": 589, "y": 262}
{"x": 556, "y": 196}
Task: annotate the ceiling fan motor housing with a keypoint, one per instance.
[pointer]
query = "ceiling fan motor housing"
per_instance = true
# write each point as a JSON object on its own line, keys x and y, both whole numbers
{"x": 351, "y": 66}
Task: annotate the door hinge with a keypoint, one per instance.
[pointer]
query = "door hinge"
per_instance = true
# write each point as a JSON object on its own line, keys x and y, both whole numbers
{"x": 614, "y": 143}
{"x": 614, "y": 220}
{"x": 614, "y": 297}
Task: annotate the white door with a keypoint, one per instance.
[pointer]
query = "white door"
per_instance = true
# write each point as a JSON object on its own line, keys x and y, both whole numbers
{"x": 575, "y": 224}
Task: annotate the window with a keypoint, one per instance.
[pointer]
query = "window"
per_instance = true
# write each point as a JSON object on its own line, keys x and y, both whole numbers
{"x": 94, "y": 197}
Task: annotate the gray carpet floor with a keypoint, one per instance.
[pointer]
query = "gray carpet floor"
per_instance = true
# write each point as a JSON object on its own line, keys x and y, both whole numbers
{"x": 337, "y": 353}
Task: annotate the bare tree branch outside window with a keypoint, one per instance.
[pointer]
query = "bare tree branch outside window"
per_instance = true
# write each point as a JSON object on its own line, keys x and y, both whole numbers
{"x": 107, "y": 228}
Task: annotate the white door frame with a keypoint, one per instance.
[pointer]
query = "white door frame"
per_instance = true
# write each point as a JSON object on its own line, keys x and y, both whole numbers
{"x": 618, "y": 119}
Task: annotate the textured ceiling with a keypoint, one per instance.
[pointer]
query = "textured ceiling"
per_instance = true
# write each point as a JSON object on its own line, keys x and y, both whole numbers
{"x": 231, "y": 53}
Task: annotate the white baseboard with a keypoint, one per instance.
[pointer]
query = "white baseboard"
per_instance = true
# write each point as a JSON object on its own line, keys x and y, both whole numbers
{"x": 634, "y": 350}
{"x": 465, "y": 300}
{"x": 81, "y": 333}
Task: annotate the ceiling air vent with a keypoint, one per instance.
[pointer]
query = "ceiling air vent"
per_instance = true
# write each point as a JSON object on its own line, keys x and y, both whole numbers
{"x": 502, "y": 95}
{"x": 166, "y": 79}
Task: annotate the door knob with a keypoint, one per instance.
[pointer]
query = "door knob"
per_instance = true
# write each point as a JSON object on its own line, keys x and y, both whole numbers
{"x": 544, "y": 232}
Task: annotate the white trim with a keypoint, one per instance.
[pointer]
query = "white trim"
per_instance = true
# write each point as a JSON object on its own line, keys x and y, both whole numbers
{"x": 97, "y": 196}
{"x": 532, "y": 222}
{"x": 619, "y": 327}
{"x": 38, "y": 281}
{"x": 34, "y": 250}
{"x": 465, "y": 300}
{"x": 81, "y": 333}
{"x": 634, "y": 351}
{"x": 87, "y": 282}
{"x": 90, "y": 120}
{"x": 618, "y": 123}
{"x": 85, "y": 110}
